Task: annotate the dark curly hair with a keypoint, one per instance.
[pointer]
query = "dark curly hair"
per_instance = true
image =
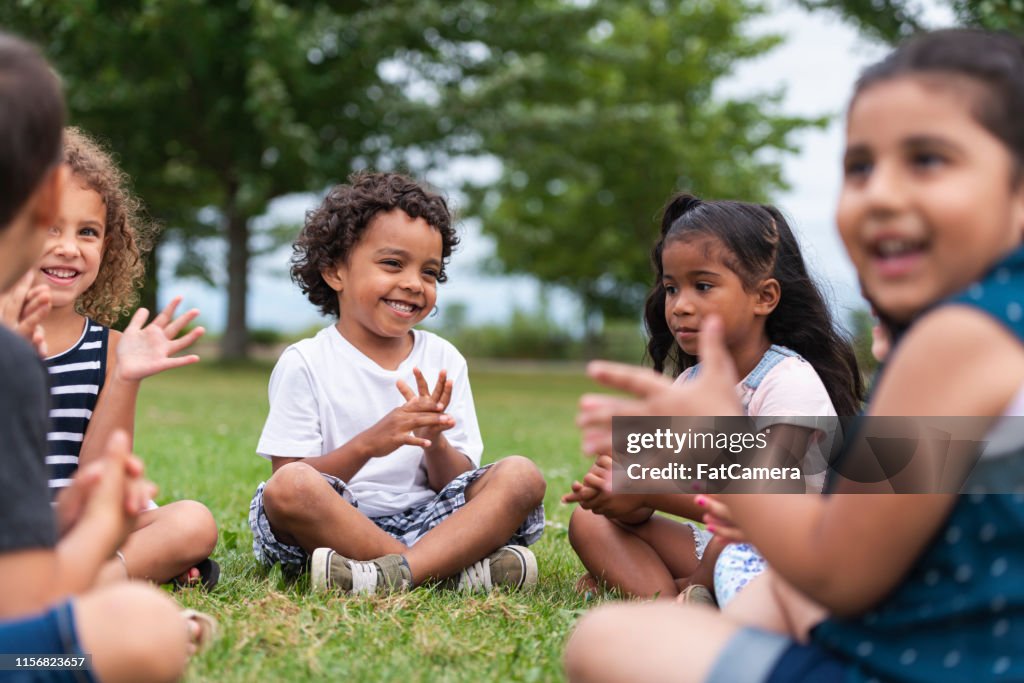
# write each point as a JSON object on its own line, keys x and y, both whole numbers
{"x": 127, "y": 234}
{"x": 336, "y": 226}
{"x": 757, "y": 243}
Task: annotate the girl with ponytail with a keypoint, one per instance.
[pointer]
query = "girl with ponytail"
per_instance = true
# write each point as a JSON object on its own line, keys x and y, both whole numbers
{"x": 741, "y": 262}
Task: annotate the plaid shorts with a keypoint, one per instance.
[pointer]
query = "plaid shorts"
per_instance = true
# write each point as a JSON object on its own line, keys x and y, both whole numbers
{"x": 407, "y": 526}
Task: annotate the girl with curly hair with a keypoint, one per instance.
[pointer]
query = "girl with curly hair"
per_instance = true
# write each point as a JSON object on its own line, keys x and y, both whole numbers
{"x": 92, "y": 264}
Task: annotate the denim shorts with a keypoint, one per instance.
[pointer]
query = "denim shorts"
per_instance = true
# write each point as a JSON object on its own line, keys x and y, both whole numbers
{"x": 756, "y": 656}
{"x": 50, "y": 633}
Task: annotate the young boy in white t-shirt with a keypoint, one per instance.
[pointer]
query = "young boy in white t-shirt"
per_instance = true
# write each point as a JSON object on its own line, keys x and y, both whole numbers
{"x": 377, "y": 484}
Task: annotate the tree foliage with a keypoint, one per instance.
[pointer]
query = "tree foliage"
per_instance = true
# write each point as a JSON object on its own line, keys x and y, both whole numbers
{"x": 216, "y": 108}
{"x": 598, "y": 111}
{"x": 892, "y": 20}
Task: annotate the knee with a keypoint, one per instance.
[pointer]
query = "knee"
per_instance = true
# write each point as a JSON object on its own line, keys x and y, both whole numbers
{"x": 290, "y": 489}
{"x": 581, "y": 527}
{"x": 595, "y": 635}
{"x": 523, "y": 479}
{"x": 134, "y": 632}
{"x": 197, "y": 528}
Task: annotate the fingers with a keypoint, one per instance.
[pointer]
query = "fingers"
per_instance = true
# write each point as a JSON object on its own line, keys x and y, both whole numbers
{"x": 164, "y": 317}
{"x": 641, "y": 382}
{"x": 715, "y": 508}
{"x": 138, "y": 320}
{"x": 714, "y": 357}
{"x": 595, "y": 481}
{"x": 177, "y": 362}
{"x": 439, "y": 386}
{"x": 174, "y": 328}
{"x": 421, "y": 383}
{"x": 413, "y": 440}
{"x": 188, "y": 340}
{"x": 407, "y": 393}
{"x": 446, "y": 395}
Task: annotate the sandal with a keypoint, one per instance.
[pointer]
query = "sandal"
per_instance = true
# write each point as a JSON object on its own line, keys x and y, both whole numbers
{"x": 207, "y": 626}
{"x": 209, "y": 575}
{"x": 588, "y": 586}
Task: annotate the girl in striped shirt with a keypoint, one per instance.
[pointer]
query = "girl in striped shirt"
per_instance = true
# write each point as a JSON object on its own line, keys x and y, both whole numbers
{"x": 93, "y": 264}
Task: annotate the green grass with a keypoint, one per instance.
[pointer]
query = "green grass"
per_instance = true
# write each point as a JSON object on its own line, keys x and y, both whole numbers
{"x": 197, "y": 431}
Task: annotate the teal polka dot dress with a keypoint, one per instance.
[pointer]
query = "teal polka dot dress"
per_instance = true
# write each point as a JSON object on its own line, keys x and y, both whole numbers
{"x": 959, "y": 614}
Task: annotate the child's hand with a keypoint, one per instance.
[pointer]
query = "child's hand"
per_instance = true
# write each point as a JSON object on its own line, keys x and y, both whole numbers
{"x": 595, "y": 493}
{"x": 23, "y": 307}
{"x": 404, "y": 425}
{"x": 713, "y": 392}
{"x": 145, "y": 350}
{"x": 718, "y": 519}
{"x": 119, "y": 493}
{"x": 439, "y": 397}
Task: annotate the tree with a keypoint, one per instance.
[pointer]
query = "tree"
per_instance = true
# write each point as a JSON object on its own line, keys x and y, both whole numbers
{"x": 598, "y": 111}
{"x": 892, "y": 20}
{"x": 216, "y": 108}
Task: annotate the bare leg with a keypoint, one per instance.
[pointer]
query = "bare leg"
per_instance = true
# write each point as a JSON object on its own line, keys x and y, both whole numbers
{"x": 304, "y": 510}
{"x": 704, "y": 574}
{"x": 651, "y": 642}
{"x": 642, "y": 560}
{"x": 133, "y": 632}
{"x": 770, "y": 603}
{"x": 496, "y": 505}
{"x": 802, "y": 614}
{"x": 169, "y": 541}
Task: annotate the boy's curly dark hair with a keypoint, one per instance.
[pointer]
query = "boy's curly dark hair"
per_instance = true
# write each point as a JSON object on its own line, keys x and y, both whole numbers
{"x": 127, "y": 236}
{"x": 336, "y": 226}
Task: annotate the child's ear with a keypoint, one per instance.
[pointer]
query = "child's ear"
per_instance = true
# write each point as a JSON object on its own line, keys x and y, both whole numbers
{"x": 768, "y": 294}
{"x": 46, "y": 202}
{"x": 334, "y": 277}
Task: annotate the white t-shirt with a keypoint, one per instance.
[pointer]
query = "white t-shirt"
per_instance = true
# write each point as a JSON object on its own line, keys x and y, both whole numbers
{"x": 324, "y": 391}
{"x": 792, "y": 393}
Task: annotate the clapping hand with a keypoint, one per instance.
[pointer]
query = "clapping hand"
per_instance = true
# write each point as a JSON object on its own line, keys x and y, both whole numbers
{"x": 145, "y": 350}
{"x": 595, "y": 493}
{"x": 417, "y": 422}
{"x": 712, "y": 392}
{"x": 438, "y": 397}
{"x": 22, "y": 309}
{"x": 719, "y": 520}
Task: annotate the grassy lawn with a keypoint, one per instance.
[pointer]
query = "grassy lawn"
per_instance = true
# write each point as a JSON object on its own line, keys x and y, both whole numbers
{"x": 197, "y": 431}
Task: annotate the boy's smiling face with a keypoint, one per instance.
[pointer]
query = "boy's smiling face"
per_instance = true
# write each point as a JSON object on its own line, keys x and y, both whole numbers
{"x": 388, "y": 283}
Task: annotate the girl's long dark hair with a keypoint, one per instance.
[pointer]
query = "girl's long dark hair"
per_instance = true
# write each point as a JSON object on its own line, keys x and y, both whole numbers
{"x": 758, "y": 243}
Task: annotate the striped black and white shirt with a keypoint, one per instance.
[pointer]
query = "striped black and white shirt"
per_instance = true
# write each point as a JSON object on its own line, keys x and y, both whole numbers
{"x": 76, "y": 378}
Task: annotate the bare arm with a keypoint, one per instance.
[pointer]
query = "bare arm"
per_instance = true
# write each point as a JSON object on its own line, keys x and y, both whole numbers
{"x": 142, "y": 351}
{"x": 846, "y": 551}
{"x": 95, "y": 515}
{"x": 861, "y": 546}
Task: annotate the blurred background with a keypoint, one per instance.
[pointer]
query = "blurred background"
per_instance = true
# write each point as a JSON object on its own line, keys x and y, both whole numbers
{"x": 557, "y": 128}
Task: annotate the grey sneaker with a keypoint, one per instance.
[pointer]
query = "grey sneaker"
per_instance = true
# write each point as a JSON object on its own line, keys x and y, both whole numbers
{"x": 331, "y": 571}
{"x": 510, "y": 566}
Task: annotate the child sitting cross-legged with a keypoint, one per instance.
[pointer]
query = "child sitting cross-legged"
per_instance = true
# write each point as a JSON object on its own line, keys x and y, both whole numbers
{"x": 376, "y": 484}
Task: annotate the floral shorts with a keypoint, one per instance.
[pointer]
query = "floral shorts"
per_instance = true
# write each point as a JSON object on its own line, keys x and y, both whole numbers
{"x": 738, "y": 565}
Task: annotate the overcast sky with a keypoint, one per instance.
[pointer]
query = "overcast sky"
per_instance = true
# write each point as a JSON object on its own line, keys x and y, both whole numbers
{"x": 816, "y": 65}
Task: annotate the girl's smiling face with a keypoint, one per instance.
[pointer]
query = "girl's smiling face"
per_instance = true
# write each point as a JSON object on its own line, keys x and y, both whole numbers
{"x": 74, "y": 245}
{"x": 930, "y": 198}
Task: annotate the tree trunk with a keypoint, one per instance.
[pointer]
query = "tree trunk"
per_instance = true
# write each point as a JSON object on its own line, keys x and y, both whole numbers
{"x": 235, "y": 343}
